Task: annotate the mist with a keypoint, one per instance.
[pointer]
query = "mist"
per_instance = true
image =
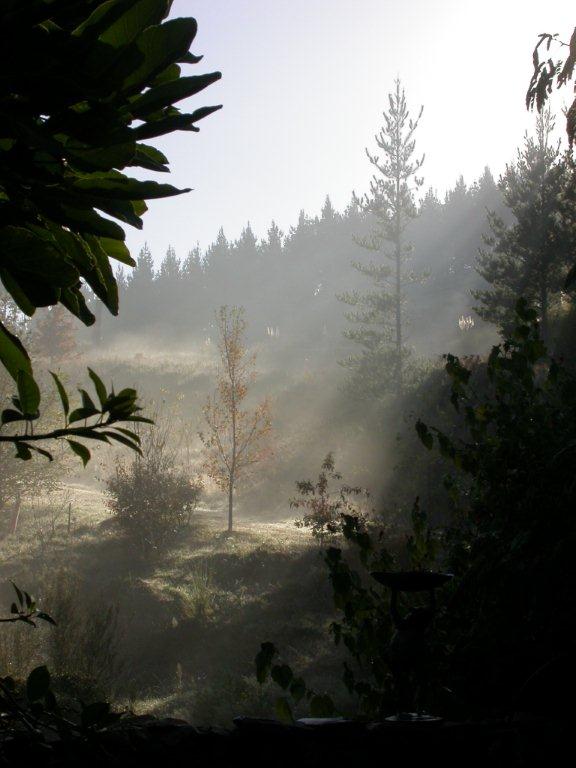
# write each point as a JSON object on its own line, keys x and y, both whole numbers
{"x": 342, "y": 347}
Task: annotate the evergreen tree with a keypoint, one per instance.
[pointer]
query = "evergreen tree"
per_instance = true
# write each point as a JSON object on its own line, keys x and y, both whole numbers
{"x": 273, "y": 273}
{"x": 430, "y": 204}
{"x": 485, "y": 188}
{"x": 192, "y": 267}
{"x": 530, "y": 256}
{"x": 458, "y": 193}
{"x": 143, "y": 273}
{"x": 170, "y": 269}
{"x": 328, "y": 211}
{"x": 195, "y": 299}
{"x": 379, "y": 314}
{"x": 247, "y": 259}
{"x": 219, "y": 266}
{"x": 169, "y": 292}
{"x": 122, "y": 280}
{"x": 300, "y": 278}
{"x": 140, "y": 298}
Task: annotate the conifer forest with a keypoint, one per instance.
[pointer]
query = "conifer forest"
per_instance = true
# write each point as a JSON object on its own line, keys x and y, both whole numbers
{"x": 288, "y": 383}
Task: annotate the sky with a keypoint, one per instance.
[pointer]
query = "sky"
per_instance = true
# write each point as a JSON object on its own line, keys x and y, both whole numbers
{"x": 304, "y": 86}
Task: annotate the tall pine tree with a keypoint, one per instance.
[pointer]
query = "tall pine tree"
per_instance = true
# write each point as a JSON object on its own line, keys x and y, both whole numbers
{"x": 529, "y": 257}
{"x": 378, "y": 316}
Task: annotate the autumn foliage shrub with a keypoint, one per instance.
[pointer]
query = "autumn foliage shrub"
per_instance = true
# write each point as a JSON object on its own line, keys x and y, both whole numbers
{"x": 324, "y": 506}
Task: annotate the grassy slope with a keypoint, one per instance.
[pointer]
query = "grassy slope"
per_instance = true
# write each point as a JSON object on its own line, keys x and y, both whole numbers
{"x": 191, "y": 621}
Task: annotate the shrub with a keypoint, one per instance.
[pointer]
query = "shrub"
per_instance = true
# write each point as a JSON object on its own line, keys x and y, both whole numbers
{"x": 513, "y": 538}
{"x": 151, "y": 497}
{"x": 324, "y": 506}
{"x": 82, "y": 648}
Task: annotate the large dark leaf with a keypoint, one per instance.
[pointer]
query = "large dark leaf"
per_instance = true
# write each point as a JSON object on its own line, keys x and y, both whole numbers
{"x": 102, "y": 159}
{"x": 28, "y": 393}
{"x": 86, "y": 221}
{"x": 170, "y": 93}
{"x": 117, "y": 250}
{"x": 161, "y": 46}
{"x": 139, "y": 15}
{"x": 123, "y": 188}
{"x": 165, "y": 125}
{"x": 151, "y": 158}
{"x": 13, "y": 356}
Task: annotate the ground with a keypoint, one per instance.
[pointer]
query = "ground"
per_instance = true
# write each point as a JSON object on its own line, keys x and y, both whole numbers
{"x": 174, "y": 633}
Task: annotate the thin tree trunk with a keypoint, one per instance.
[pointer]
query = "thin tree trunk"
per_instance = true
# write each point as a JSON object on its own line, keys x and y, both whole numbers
{"x": 16, "y": 513}
{"x": 399, "y": 321}
{"x": 544, "y": 310}
{"x": 230, "y": 504}
{"x": 399, "y": 371}
{"x": 233, "y": 464}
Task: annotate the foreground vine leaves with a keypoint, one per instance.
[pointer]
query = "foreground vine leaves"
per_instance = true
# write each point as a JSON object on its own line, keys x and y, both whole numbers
{"x": 86, "y": 85}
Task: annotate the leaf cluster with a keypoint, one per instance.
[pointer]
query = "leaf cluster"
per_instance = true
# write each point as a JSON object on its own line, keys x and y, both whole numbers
{"x": 97, "y": 417}
{"x": 295, "y": 689}
{"x": 549, "y": 72}
{"x": 324, "y": 507}
{"x": 84, "y": 85}
{"x": 24, "y": 609}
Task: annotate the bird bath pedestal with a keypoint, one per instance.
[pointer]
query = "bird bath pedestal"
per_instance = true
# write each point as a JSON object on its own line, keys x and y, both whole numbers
{"x": 408, "y": 653}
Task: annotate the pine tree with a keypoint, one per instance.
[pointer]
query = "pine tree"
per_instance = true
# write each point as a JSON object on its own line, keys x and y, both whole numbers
{"x": 192, "y": 267}
{"x": 328, "y": 212}
{"x": 379, "y": 314}
{"x": 218, "y": 268}
{"x": 170, "y": 269}
{"x": 529, "y": 257}
{"x": 430, "y": 203}
{"x": 272, "y": 284}
{"x": 195, "y": 312}
{"x": 458, "y": 193}
{"x": 169, "y": 293}
{"x": 485, "y": 188}
{"x": 122, "y": 280}
{"x": 144, "y": 270}
{"x": 140, "y": 293}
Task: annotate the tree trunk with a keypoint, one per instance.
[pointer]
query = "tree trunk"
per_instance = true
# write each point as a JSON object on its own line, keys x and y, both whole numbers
{"x": 544, "y": 311}
{"x": 15, "y": 513}
{"x": 230, "y": 504}
{"x": 399, "y": 370}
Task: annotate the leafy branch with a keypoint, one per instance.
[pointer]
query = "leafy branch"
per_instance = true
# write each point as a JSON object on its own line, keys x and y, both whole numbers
{"x": 24, "y": 609}
{"x": 89, "y": 420}
{"x": 321, "y": 705}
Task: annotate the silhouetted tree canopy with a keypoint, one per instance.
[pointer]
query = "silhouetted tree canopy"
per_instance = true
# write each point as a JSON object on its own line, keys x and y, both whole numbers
{"x": 530, "y": 256}
{"x": 83, "y": 86}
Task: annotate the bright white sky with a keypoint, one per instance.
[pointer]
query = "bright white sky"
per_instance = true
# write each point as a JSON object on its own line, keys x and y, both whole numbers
{"x": 304, "y": 85}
